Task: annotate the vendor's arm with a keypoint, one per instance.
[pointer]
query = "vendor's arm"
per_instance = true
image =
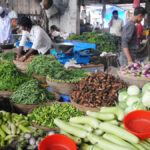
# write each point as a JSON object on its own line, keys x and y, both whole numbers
{"x": 30, "y": 51}
{"x": 22, "y": 44}
{"x": 127, "y": 53}
{"x": 127, "y": 35}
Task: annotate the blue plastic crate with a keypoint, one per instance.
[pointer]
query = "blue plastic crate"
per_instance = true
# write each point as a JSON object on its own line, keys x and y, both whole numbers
{"x": 65, "y": 98}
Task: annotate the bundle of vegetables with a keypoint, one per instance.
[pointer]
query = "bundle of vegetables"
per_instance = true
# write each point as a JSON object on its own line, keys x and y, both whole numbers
{"x": 136, "y": 69}
{"x": 45, "y": 115}
{"x": 43, "y": 65}
{"x": 12, "y": 126}
{"x": 97, "y": 90}
{"x": 10, "y": 56}
{"x": 30, "y": 141}
{"x": 67, "y": 76}
{"x": 103, "y": 129}
{"x": 131, "y": 99}
{"x": 10, "y": 77}
{"x": 108, "y": 42}
{"x": 31, "y": 92}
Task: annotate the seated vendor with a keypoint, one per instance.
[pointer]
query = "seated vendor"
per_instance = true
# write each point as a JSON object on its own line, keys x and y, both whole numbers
{"x": 39, "y": 38}
{"x": 56, "y": 35}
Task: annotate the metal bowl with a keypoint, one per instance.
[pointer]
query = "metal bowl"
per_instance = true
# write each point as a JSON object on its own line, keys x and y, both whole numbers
{"x": 7, "y": 46}
{"x": 64, "y": 47}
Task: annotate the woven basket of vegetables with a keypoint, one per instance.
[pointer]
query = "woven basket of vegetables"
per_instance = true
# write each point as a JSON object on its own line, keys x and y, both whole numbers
{"x": 21, "y": 65}
{"x": 84, "y": 108}
{"x": 41, "y": 79}
{"x": 31, "y": 95}
{"x": 62, "y": 88}
{"x": 130, "y": 80}
{"x": 43, "y": 116}
{"x": 6, "y": 94}
{"x": 135, "y": 74}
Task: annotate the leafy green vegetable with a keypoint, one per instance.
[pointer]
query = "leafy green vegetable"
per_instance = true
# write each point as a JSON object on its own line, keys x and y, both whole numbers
{"x": 30, "y": 93}
{"x": 69, "y": 76}
{"x": 10, "y": 56}
{"x": 133, "y": 90}
{"x": 108, "y": 42}
{"x": 146, "y": 87}
{"x": 45, "y": 115}
{"x": 10, "y": 77}
{"x": 43, "y": 65}
{"x": 123, "y": 96}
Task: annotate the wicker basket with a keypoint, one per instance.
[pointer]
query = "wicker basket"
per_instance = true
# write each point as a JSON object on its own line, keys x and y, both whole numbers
{"x": 25, "y": 109}
{"x": 42, "y": 79}
{"x": 61, "y": 88}
{"x": 21, "y": 65}
{"x": 130, "y": 80}
{"x": 6, "y": 94}
{"x": 83, "y": 108}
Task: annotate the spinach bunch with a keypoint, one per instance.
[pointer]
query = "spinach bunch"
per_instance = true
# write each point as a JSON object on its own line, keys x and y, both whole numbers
{"x": 10, "y": 77}
{"x": 107, "y": 41}
{"x": 43, "y": 65}
{"x": 10, "y": 56}
{"x": 68, "y": 76}
{"x": 30, "y": 93}
{"x": 45, "y": 115}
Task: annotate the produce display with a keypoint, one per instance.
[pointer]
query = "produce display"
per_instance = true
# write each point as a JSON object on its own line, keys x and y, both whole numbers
{"x": 45, "y": 115}
{"x": 12, "y": 126}
{"x": 43, "y": 65}
{"x": 31, "y": 92}
{"x": 132, "y": 99}
{"x": 97, "y": 90}
{"x": 108, "y": 42}
{"x": 136, "y": 69}
{"x": 67, "y": 76}
{"x": 10, "y": 56}
{"x": 10, "y": 77}
{"x": 102, "y": 130}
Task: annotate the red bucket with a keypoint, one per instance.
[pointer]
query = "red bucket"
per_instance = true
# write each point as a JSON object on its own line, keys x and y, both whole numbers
{"x": 57, "y": 142}
{"x": 138, "y": 123}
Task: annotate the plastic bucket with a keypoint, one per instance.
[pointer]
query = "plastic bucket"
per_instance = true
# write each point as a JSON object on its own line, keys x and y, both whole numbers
{"x": 138, "y": 123}
{"x": 57, "y": 142}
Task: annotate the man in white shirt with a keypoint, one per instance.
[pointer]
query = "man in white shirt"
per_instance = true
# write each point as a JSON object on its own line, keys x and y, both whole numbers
{"x": 5, "y": 27}
{"x": 40, "y": 39}
{"x": 116, "y": 24}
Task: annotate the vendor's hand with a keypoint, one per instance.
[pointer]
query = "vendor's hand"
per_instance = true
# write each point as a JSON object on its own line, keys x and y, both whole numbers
{"x": 130, "y": 62}
{"x": 5, "y": 41}
{"x": 22, "y": 58}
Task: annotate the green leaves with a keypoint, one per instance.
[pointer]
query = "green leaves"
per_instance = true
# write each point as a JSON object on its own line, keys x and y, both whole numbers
{"x": 108, "y": 42}
{"x": 10, "y": 56}
{"x": 11, "y": 77}
{"x": 30, "y": 93}
{"x": 45, "y": 115}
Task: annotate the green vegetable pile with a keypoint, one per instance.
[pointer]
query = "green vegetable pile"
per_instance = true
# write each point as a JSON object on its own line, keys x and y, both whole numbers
{"x": 10, "y": 56}
{"x": 49, "y": 66}
{"x": 31, "y": 93}
{"x": 43, "y": 65}
{"x": 10, "y": 77}
{"x": 45, "y": 115}
{"x": 12, "y": 126}
{"x": 68, "y": 76}
{"x": 101, "y": 130}
{"x": 108, "y": 42}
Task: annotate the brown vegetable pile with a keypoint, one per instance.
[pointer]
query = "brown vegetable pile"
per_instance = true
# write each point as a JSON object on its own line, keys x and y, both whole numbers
{"x": 97, "y": 90}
